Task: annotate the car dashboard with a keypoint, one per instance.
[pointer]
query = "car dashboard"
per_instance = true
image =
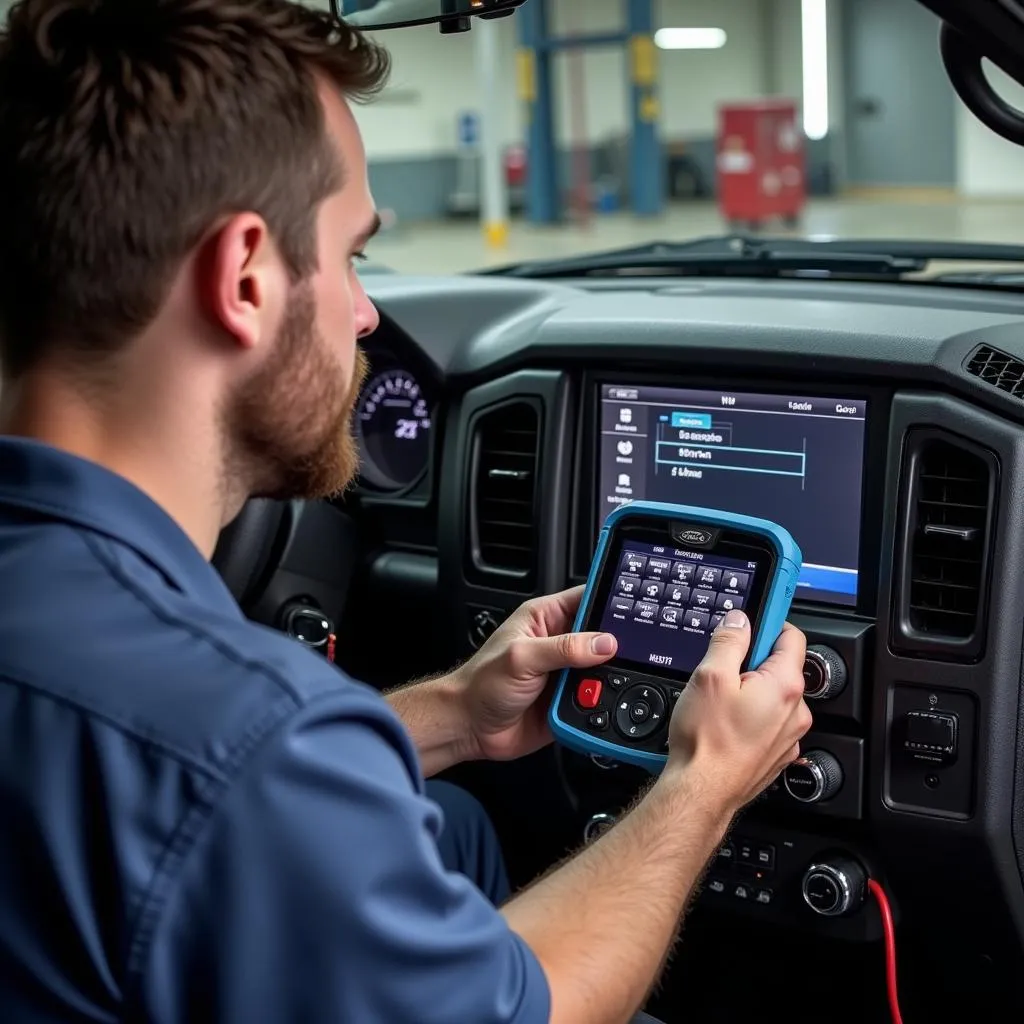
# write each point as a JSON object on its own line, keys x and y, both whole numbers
{"x": 883, "y": 424}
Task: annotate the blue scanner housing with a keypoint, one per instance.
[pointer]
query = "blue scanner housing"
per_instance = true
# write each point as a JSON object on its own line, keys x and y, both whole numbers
{"x": 775, "y": 603}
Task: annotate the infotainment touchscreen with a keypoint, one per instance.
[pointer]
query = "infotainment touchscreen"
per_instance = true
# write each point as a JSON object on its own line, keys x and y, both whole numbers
{"x": 797, "y": 460}
{"x": 665, "y": 602}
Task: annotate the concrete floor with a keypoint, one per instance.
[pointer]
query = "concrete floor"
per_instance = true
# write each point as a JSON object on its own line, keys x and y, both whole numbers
{"x": 459, "y": 246}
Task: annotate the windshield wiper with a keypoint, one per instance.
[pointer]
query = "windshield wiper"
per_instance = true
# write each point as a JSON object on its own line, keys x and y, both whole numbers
{"x": 988, "y": 278}
{"x": 778, "y": 257}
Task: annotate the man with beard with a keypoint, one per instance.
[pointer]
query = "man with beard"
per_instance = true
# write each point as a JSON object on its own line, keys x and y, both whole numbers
{"x": 202, "y": 820}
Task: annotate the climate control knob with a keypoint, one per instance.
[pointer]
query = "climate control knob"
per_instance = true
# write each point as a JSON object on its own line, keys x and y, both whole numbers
{"x": 835, "y": 885}
{"x": 817, "y": 775}
{"x": 824, "y": 673}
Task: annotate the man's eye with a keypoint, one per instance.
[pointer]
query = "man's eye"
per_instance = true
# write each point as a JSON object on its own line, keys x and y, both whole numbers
{"x": 361, "y": 256}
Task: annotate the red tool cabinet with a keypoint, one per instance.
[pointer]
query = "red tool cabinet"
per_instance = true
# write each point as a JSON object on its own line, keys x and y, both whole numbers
{"x": 760, "y": 163}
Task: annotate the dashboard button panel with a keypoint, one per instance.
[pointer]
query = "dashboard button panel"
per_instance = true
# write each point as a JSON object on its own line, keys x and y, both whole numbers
{"x": 770, "y": 873}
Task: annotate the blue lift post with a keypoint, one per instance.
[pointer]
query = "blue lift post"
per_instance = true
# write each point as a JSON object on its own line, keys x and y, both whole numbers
{"x": 542, "y": 192}
{"x": 646, "y": 163}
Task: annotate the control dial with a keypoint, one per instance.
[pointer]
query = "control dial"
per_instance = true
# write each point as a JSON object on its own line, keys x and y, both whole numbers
{"x": 817, "y": 775}
{"x": 835, "y": 885}
{"x": 824, "y": 673}
{"x": 307, "y": 624}
{"x": 597, "y": 826}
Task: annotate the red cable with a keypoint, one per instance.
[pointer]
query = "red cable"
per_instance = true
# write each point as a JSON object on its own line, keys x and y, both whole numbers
{"x": 889, "y": 931}
{"x": 331, "y": 641}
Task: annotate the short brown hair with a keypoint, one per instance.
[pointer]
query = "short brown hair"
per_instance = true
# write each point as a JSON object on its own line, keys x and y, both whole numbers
{"x": 129, "y": 127}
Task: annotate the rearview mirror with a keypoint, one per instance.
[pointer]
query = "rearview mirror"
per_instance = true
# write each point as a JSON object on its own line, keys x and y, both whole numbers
{"x": 451, "y": 15}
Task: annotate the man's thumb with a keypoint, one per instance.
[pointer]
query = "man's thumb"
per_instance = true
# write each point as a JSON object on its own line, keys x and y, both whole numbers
{"x": 729, "y": 642}
{"x": 534, "y": 656}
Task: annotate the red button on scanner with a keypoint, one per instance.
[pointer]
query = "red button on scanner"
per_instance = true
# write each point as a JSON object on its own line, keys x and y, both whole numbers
{"x": 588, "y": 693}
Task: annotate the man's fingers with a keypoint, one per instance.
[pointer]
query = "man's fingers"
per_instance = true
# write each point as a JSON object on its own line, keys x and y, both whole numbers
{"x": 560, "y": 609}
{"x": 535, "y": 656}
{"x": 728, "y": 647}
{"x": 791, "y": 644}
{"x": 553, "y": 613}
{"x": 787, "y": 657}
{"x": 571, "y": 598}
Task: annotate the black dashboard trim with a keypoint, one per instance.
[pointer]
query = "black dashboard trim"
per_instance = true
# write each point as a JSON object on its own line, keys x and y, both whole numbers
{"x": 475, "y": 328}
{"x": 988, "y": 844}
{"x": 554, "y": 391}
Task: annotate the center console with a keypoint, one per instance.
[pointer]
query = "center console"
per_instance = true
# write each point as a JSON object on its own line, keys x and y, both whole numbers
{"x": 572, "y": 448}
{"x": 912, "y": 672}
{"x": 797, "y": 456}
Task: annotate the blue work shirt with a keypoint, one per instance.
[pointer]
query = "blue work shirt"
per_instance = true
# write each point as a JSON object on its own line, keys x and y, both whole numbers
{"x": 200, "y": 819}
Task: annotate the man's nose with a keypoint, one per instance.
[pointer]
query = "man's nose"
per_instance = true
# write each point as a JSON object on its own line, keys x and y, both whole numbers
{"x": 367, "y": 316}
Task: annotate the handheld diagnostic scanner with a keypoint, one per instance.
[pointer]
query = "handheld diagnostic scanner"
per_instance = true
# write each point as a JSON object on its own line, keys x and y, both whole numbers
{"x": 662, "y": 578}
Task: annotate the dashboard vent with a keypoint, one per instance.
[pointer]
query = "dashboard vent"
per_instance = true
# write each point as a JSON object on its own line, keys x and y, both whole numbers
{"x": 949, "y": 500}
{"x": 503, "y": 491}
{"x": 998, "y": 369}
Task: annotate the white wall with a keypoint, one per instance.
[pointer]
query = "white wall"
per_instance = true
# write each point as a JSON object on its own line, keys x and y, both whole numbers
{"x": 785, "y": 77}
{"x": 987, "y": 165}
{"x": 694, "y": 82}
{"x": 434, "y": 77}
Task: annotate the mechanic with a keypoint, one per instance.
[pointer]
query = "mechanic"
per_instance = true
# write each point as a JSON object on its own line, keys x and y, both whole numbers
{"x": 203, "y": 820}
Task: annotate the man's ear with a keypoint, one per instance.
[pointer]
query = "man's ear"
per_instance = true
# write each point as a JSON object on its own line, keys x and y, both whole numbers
{"x": 242, "y": 280}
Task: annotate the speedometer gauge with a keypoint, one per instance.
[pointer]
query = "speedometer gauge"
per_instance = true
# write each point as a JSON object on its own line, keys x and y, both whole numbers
{"x": 393, "y": 423}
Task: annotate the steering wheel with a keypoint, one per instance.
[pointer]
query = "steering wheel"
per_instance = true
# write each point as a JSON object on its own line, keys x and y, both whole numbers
{"x": 963, "y": 61}
{"x": 250, "y": 547}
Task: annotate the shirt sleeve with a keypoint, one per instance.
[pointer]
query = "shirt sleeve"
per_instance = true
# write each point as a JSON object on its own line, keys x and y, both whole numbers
{"x": 315, "y": 892}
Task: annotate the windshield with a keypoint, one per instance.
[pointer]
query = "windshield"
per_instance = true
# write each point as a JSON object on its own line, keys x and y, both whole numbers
{"x": 568, "y": 129}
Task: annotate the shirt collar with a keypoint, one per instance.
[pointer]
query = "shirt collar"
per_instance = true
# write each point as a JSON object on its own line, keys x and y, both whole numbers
{"x": 64, "y": 487}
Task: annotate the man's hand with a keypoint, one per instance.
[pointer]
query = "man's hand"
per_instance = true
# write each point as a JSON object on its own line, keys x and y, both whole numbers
{"x": 740, "y": 731}
{"x": 505, "y": 685}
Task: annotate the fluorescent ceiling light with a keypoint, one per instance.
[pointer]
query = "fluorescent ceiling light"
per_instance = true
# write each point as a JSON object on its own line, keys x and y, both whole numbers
{"x": 814, "y": 46}
{"x": 689, "y": 38}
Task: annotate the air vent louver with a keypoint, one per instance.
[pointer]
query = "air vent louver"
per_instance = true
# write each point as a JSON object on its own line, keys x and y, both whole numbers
{"x": 998, "y": 369}
{"x": 945, "y": 573}
{"x": 504, "y": 489}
